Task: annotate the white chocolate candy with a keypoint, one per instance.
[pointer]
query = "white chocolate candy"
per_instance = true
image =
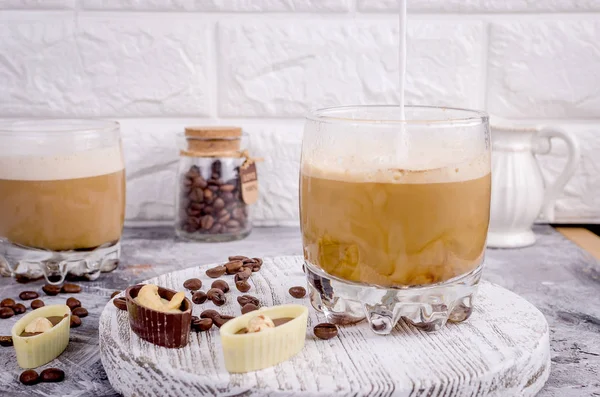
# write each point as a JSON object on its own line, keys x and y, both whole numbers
{"x": 39, "y": 325}
{"x": 260, "y": 323}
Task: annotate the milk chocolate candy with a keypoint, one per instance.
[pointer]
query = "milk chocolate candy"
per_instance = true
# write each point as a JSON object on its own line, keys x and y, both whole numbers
{"x": 169, "y": 330}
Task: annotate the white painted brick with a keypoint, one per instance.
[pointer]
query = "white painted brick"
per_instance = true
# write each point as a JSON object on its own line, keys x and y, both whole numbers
{"x": 36, "y": 4}
{"x": 283, "y": 69}
{"x": 220, "y": 5}
{"x": 151, "y": 158}
{"x": 131, "y": 66}
{"x": 482, "y": 5}
{"x": 545, "y": 69}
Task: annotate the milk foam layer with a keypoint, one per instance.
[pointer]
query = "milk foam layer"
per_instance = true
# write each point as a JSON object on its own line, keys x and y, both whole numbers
{"x": 83, "y": 164}
{"x": 353, "y": 171}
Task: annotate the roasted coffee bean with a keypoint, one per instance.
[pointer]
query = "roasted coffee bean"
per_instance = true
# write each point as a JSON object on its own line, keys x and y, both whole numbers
{"x": 238, "y": 258}
{"x": 298, "y": 292}
{"x": 52, "y": 375}
{"x": 249, "y": 307}
{"x": 6, "y": 341}
{"x": 120, "y": 303}
{"x": 258, "y": 261}
{"x": 232, "y": 223}
{"x": 210, "y": 313}
{"x": 216, "y": 296}
{"x": 220, "y": 284}
{"x": 217, "y": 228}
{"x": 193, "y": 172}
{"x": 242, "y": 286}
{"x": 19, "y": 308}
{"x": 216, "y": 168}
{"x": 233, "y": 267}
{"x": 193, "y": 284}
{"x": 245, "y": 299}
{"x": 199, "y": 297}
{"x": 36, "y": 304}
{"x": 6, "y": 312}
{"x": 216, "y": 272}
{"x": 219, "y": 321}
{"x": 243, "y": 275}
{"x": 237, "y": 213}
{"x": 28, "y": 295}
{"x": 7, "y": 302}
{"x": 114, "y": 294}
{"x": 219, "y": 204}
{"x": 198, "y": 181}
{"x": 75, "y": 321}
{"x": 71, "y": 288}
{"x": 208, "y": 195}
{"x": 73, "y": 303}
{"x": 248, "y": 261}
{"x": 29, "y": 377}
{"x": 228, "y": 197}
{"x": 80, "y": 312}
{"x": 214, "y": 182}
{"x": 196, "y": 195}
{"x": 227, "y": 187}
{"x": 51, "y": 290}
{"x": 207, "y": 222}
{"x": 197, "y": 206}
{"x": 201, "y": 324}
{"x": 208, "y": 209}
{"x": 325, "y": 331}
{"x": 224, "y": 218}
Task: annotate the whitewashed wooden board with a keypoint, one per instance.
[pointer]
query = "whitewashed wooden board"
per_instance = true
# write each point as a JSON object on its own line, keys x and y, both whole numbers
{"x": 503, "y": 350}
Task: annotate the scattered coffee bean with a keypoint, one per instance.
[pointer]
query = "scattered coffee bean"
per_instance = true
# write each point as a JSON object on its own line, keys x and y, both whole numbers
{"x": 120, "y": 303}
{"x": 75, "y": 321}
{"x": 199, "y": 297}
{"x": 216, "y": 272}
{"x": 249, "y": 307}
{"x": 80, "y": 312}
{"x": 193, "y": 284}
{"x": 36, "y": 304}
{"x": 237, "y": 258}
{"x": 52, "y": 375}
{"x": 7, "y": 303}
{"x": 216, "y": 296}
{"x": 202, "y": 324}
{"x": 325, "y": 331}
{"x": 28, "y": 295}
{"x": 219, "y": 321}
{"x": 220, "y": 284}
{"x": 243, "y": 275}
{"x": 258, "y": 261}
{"x": 245, "y": 299}
{"x": 71, "y": 288}
{"x": 233, "y": 267}
{"x": 51, "y": 290}
{"x": 114, "y": 294}
{"x": 6, "y": 312}
{"x": 298, "y": 292}
{"x": 19, "y": 308}
{"x": 242, "y": 286}
{"x": 73, "y": 303}
{"x": 29, "y": 377}
{"x": 6, "y": 341}
{"x": 210, "y": 313}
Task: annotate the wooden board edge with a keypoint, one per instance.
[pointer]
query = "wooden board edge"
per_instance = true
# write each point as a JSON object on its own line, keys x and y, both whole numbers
{"x": 583, "y": 238}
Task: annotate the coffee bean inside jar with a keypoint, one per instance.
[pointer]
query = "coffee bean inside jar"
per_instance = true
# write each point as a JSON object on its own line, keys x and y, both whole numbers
{"x": 210, "y": 204}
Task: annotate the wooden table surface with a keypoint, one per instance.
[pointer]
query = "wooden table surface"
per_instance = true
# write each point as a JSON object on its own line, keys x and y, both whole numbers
{"x": 559, "y": 276}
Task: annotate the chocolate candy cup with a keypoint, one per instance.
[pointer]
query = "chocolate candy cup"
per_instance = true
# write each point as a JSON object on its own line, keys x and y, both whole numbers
{"x": 170, "y": 330}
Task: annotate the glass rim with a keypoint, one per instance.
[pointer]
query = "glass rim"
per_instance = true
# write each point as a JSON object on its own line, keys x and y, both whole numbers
{"x": 56, "y": 127}
{"x": 321, "y": 115}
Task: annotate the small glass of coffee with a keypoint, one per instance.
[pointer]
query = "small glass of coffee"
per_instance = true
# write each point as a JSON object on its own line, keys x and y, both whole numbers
{"x": 62, "y": 198}
{"x": 394, "y": 213}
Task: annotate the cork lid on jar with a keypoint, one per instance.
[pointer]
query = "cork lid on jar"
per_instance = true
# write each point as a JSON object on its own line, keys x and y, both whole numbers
{"x": 212, "y": 140}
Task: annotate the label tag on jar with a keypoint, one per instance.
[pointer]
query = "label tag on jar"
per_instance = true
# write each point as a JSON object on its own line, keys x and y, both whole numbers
{"x": 249, "y": 179}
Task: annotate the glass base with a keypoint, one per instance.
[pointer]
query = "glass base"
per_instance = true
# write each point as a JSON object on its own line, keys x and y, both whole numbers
{"x": 427, "y": 307}
{"x": 30, "y": 263}
{"x": 212, "y": 237}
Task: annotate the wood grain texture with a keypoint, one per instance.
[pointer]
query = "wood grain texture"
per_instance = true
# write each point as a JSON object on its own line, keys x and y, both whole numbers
{"x": 583, "y": 238}
{"x": 503, "y": 350}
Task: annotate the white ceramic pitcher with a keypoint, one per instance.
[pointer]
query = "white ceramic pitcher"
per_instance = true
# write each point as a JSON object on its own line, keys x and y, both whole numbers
{"x": 519, "y": 194}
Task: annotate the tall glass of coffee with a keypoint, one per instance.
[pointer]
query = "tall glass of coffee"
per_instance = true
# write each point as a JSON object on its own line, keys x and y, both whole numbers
{"x": 394, "y": 213}
{"x": 62, "y": 198}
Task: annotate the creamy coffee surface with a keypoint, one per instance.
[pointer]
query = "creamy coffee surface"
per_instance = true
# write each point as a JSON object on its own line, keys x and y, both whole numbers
{"x": 58, "y": 166}
{"x": 395, "y": 226}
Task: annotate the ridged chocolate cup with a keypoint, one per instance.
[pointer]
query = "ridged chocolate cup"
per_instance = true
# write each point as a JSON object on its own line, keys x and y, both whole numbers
{"x": 170, "y": 330}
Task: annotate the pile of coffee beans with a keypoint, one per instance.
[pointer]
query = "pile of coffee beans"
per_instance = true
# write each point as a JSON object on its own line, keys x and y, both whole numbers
{"x": 49, "y": 375}
{"x": 212, "y": 206}
{"x": 9, "y": 308}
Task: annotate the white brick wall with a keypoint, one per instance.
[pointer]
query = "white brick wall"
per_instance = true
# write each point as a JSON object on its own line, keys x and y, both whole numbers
{"x": 158, "y": 65}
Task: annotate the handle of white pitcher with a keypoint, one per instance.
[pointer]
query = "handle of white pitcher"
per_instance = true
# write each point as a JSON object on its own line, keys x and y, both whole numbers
{"x": 544, "y": 146}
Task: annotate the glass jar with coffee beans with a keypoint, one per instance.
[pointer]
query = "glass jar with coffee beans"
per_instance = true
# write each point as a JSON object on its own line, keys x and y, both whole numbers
{"x": 213, "y": 188}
